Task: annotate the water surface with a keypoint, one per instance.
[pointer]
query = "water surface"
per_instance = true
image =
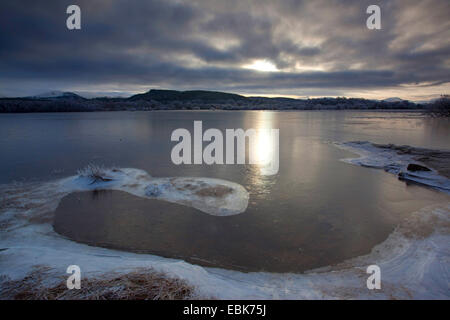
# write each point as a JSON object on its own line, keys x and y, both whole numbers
{"x": 316, "y": 211}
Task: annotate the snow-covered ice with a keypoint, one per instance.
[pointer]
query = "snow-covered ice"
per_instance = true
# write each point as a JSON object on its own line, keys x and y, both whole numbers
{"x": 181, "y": 190}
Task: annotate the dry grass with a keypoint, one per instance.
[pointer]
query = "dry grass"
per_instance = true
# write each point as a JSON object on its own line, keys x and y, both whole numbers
{"x": 141, "y": 284}
{"x": 95, "y": 172}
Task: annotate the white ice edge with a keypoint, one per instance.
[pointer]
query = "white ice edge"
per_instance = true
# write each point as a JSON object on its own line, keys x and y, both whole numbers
{"x": 392, "y": 162}
{"x": 140, "y": 183}
{"x": 411, "y": 268}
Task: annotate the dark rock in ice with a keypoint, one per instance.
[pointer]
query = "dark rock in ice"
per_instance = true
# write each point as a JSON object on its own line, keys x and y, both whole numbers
{"x": 416, "y": 167}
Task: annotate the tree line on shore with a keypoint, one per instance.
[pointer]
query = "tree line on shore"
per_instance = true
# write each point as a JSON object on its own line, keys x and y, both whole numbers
{"x": 207, "y": 100}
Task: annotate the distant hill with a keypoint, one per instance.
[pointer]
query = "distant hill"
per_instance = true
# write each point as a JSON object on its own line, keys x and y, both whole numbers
{"x": 58, "y": 95}
{"x": 195, "y": 95}
{"x": 394, "y": 99}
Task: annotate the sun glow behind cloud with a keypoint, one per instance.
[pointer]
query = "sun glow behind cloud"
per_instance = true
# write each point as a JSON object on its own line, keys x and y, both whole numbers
{"x": 262, "y": 65}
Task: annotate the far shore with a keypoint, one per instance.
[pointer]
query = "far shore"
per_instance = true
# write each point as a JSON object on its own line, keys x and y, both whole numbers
{"x": 193, "y": 100}
{"x": 422, "y": 111}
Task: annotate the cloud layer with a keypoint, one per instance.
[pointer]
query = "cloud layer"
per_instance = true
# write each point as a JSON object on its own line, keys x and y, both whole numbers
{"x": 316, "y": 47}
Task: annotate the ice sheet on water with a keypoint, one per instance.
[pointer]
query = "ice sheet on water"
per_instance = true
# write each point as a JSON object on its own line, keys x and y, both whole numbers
{"x": 181, "y": 190}
{"x": 379, "y": 157}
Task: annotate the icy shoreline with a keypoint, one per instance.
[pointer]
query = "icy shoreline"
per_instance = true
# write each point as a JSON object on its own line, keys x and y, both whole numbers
{"x": 395, "y": 160}
{"x": 414, "y": 264}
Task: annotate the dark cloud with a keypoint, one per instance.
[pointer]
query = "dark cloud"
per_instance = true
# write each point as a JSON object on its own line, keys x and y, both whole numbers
{"x": 320, "y": 46}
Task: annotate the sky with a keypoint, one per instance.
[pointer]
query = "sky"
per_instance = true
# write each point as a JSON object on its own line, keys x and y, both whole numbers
{"x": 266, "y": 48}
